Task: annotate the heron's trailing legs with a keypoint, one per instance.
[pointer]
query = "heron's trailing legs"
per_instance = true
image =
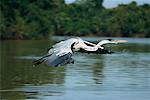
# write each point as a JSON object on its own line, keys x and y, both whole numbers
{"x": 40, "y": 60}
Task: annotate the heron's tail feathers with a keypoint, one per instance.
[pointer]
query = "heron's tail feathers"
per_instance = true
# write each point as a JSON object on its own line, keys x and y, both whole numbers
{"x": 40, "y": 60}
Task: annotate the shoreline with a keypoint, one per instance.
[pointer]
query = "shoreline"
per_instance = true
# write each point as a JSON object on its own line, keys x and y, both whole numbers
{"x": 69, "y": 36}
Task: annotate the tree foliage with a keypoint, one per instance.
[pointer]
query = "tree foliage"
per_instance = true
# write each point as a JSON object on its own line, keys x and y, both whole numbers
{"x": 36, "y": 19}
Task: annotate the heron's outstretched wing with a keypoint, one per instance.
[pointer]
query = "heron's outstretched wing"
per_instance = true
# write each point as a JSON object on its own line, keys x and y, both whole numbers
{"x": 56, "y": 60}
{"x": 60, "y": 54}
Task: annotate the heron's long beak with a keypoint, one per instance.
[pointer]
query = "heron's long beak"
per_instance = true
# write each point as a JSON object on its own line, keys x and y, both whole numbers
{"x": 119, "y": 41}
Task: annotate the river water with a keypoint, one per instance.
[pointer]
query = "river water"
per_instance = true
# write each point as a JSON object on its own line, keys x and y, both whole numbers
{"x": 124, "y": 75}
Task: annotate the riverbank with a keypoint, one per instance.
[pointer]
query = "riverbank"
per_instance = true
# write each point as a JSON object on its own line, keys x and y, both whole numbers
{"x": 37, "y": 20}
{"x": 23, "y": 37}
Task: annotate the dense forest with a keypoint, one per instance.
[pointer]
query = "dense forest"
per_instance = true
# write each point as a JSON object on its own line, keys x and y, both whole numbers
{"x": 38, "y": 19}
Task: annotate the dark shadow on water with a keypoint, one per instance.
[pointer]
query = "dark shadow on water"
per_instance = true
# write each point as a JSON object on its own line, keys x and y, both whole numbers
{"x": 97, "y": 69}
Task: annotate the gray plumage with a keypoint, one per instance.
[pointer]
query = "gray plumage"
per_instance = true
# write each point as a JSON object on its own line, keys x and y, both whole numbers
{"x": 61, "y": 53}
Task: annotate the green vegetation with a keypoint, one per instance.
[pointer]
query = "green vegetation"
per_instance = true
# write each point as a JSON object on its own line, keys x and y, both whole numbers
{"x": 36, "y": 19}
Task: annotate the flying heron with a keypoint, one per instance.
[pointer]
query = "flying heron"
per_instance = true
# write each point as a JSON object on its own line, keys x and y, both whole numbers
{"x": 61, "y": 53}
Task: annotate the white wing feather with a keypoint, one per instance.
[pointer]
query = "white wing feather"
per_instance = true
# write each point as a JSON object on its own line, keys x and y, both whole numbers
{"x": 62, "y": 48}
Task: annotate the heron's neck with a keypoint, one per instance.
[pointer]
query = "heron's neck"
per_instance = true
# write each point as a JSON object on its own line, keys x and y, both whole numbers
{"x": 100, "y": 43}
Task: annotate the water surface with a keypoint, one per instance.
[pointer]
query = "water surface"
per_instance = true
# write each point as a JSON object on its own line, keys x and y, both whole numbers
{"x": 124, "y": 75}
